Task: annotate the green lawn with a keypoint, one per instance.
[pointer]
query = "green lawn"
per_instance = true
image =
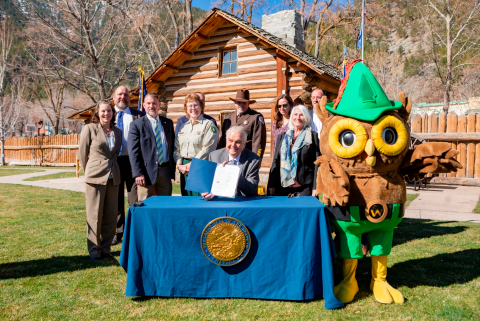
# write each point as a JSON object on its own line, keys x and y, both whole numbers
{"x": 410, "y": 198}
{"x": 7, "y": 171}
{"x": 40, "y": 167}
{"x": 477, "y": 208}
{"x": 45, "y": 272}
{"x": 53, "y": 176}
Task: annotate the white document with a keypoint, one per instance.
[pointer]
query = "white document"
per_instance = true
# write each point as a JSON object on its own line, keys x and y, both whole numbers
{"x": 225, "y": 180}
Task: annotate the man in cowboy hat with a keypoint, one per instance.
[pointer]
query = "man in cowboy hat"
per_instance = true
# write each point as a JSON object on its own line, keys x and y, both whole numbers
{"x": 251, "y": 120}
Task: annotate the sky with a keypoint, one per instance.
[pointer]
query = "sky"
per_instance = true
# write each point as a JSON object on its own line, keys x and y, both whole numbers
{"x": 271, "y": 7}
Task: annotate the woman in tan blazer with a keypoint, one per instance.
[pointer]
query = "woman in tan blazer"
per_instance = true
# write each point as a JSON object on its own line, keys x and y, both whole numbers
{"x": 100, "y": 143}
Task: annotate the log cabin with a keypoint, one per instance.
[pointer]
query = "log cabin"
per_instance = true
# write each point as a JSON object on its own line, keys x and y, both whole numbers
{"x": 224, "y": 54}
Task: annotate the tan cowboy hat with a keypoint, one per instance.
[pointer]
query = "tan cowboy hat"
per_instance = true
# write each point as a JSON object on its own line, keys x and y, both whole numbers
{"x": 243, "y": 95}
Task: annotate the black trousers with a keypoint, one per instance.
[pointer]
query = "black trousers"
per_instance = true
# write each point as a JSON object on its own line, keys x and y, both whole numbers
{"x": 129, "y": 182}
{"x": 304, "y": 190}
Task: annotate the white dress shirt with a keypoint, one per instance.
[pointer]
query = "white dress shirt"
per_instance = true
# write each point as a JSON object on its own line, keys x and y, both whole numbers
{"x": 156, "y": 121}
{"x": 317, "y": 124}
{"x": 127, "y": 120}
{"x": 236, "y": 159}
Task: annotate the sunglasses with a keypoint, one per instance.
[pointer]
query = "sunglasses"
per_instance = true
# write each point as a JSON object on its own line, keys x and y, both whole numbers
{"x": 283, "y": 106}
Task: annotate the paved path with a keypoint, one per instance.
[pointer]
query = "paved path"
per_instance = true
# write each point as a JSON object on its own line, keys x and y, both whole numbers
{"x": 444, "y": 202}
{"x": 70, "y": 184}
{"x": 436, "y": 202}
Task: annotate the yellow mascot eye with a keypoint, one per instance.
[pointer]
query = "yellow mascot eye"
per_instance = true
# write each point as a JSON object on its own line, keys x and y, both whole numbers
{"x": 389, "y": 135}
{"x": 347, "y": 138}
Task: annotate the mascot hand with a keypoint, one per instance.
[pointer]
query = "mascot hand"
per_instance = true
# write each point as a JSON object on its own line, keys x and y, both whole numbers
{"x": 431, "y": 158}
{"x": 333, "y": 182}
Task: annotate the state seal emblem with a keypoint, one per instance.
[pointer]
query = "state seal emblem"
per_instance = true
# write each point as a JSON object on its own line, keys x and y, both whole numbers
{"x": 225, "y": 241}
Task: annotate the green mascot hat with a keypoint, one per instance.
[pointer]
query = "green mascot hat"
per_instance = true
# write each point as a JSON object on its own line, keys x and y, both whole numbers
{"x": 361, "y": 96}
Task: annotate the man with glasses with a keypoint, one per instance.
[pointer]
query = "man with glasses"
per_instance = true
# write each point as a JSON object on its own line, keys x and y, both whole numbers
{"x": 316, "y": 96}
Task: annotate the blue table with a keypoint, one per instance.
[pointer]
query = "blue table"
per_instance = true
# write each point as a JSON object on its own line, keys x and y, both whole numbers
{"x": 290, "y": 256}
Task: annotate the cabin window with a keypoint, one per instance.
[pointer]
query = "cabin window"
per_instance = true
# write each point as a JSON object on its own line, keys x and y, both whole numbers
{"x": 229, "y": 61}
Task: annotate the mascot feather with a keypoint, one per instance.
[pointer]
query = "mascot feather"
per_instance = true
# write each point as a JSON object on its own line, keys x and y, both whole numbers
{"x": 365, "y": 145}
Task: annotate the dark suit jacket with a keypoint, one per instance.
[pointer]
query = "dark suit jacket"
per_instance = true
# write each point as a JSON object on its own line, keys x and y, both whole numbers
{"x": 142, "y": 148}
{"x": 250, "y": 163}
{"x": 95, "y": 156}
{"x": 306, "y": 169}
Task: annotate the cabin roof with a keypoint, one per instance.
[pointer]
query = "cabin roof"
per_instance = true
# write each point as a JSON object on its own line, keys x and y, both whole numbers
{"x": 171, "y": 61}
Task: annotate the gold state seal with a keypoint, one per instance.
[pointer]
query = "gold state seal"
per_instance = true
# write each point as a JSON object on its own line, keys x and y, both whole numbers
{"x": 225, "y": 241}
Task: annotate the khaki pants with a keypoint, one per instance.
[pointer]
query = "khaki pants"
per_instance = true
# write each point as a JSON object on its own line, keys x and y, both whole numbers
{"x": 162, "y": 187}
{"x": 102, "y": 208}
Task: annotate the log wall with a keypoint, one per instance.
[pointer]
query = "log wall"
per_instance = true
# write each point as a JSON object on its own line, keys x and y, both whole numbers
{"x": 256, "y": 71}
{"x": 462, "y": 132}
{"x": 60, "y": 150}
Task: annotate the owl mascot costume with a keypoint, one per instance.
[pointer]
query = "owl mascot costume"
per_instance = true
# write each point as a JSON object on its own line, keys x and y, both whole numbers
{"x": 366, "y": 153}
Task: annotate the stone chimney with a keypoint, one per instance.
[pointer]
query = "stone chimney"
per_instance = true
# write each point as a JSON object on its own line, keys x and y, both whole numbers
{"x": 286, "y": 25}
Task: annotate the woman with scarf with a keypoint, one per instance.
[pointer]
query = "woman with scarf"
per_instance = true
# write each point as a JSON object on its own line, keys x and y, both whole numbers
{"x": 293, "y": 170}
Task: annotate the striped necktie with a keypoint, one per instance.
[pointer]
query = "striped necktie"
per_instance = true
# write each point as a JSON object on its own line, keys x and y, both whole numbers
{"x": 234, "y": 161}
{"x": 158, "y": 139}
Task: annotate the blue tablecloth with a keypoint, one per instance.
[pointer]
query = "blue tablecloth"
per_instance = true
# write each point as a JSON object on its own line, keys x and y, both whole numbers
{"x": 290, "y": 257}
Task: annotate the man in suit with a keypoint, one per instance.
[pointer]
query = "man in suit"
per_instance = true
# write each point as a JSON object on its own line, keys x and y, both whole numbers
{"x": 316, "y": 96}
{"x": 251, "y": 120}
{"x": 235, "y": 153}
{"x": 125, "y": 116}
{"x": 184, "y": 119}
{"x": 150, "y": 148}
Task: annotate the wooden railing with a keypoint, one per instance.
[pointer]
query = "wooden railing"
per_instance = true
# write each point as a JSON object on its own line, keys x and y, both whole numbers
{"x": 463, "y": 132}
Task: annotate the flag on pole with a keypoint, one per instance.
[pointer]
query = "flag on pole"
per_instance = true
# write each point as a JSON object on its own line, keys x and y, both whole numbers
{"x": 345, "y": 61}
{"x": 142, "y": 89}
{"x": 361, "y": 37}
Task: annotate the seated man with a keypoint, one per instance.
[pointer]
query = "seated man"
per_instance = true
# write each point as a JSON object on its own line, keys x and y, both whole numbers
{"x": 235, "y": 153}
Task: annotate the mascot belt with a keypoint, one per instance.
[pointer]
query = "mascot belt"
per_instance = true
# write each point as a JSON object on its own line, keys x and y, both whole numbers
{"x": 351, "y": 222}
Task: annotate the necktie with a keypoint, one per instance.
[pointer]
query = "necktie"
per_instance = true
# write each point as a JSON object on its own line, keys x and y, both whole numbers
{"x": 158, "y": 139}
{"x": 234, "y": 161}
{"x": 120, "y": 126}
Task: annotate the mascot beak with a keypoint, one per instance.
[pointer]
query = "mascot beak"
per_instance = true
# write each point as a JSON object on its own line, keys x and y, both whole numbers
{"x": 370, "y": 149}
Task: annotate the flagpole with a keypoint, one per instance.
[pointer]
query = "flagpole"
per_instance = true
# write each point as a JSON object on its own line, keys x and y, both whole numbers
{"x": 363, "y": 27}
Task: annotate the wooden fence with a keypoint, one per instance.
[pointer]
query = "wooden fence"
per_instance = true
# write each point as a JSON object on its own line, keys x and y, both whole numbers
{"x": 60, "y": 150}
{"x": 463, "y": 132}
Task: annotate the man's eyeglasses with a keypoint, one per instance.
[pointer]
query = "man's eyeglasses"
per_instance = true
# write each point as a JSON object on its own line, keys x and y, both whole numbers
{"x": 283, "y": 106}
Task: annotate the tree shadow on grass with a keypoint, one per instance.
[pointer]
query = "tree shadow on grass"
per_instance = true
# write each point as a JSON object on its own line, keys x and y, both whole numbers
{"x": 52, "y": 265}
{"x": 413, "y": 229}
{"x": 441, "y": 270}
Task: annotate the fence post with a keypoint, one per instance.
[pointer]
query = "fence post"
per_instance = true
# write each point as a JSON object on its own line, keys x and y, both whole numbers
{"x": 470, "y": 147}
{"x": 77, "y": 167}
{"x": 462, "y": 146}
{"x": 452, "y": 120}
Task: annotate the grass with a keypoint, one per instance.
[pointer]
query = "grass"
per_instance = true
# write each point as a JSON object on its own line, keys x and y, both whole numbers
{"x": 410, "y": 198}
{"x": 12, "y": 171}
{"x": 477, "y": 208}
{"x": 40, "y": 167}
{"x": 45, "y": 272}
{"x": 53, "y": 176}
